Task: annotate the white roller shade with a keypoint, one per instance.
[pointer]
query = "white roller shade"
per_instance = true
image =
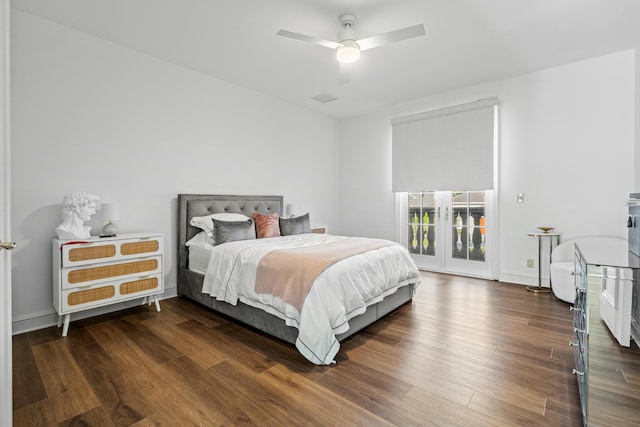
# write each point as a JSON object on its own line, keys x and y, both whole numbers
{"x": 446, "y": 149}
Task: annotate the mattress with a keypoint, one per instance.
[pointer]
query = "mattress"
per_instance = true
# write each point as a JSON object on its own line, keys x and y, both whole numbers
{"x": 199, "y": 258}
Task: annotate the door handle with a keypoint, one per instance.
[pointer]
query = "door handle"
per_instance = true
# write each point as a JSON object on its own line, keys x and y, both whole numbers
{"x": 7, "y": 245}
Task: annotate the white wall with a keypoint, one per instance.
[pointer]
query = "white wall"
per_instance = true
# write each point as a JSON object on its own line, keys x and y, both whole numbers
{"x": 88, "y": 115}
{"x": 636, "y": 186}
{"x": 566, "y": 142}
{"x": 367, "y": 204}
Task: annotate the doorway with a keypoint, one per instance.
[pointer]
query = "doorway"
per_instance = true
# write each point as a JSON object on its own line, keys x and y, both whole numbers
{"x": 450, "y": 231}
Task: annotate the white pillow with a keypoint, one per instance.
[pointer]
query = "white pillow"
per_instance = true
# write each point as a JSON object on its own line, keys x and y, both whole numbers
{"x": 206, "y": 222}
{"x": 201, "y": 239}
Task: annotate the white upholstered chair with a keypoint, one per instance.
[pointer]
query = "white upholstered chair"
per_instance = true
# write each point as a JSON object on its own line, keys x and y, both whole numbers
{"x": 561, "y": 268}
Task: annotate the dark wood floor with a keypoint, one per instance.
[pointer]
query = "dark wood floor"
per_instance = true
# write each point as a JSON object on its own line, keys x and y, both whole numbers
{"x": 465, "y": 352}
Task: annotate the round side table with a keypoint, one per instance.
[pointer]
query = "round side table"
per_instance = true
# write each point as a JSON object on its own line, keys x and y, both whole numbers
{"x": 553, "y": 240}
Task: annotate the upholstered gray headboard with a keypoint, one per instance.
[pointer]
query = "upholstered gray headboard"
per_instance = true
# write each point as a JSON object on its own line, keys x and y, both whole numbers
{"x": 190, "y": 205}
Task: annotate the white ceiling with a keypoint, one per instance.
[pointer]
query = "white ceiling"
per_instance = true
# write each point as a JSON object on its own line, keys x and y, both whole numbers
{"x": 467, "y": 42}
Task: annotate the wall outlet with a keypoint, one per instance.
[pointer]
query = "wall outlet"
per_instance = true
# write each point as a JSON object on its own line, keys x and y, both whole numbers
{"x": 529, "y": 262}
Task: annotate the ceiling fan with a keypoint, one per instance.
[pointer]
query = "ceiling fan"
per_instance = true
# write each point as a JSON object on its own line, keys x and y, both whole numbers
{"x": 348, "y": 47}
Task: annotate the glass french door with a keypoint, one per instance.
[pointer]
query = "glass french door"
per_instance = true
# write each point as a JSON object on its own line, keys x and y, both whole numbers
{"x": 450, "y": 231}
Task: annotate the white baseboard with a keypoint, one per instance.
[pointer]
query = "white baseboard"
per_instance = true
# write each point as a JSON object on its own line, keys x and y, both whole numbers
{"x": 518, "y": 279}
{"x": 439, "y": 270}
{"x": 506, "y": 278}
{"x": 42, "y": 320}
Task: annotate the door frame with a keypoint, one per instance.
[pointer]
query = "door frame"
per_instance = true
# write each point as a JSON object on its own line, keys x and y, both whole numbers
{"x": 6, "y": 382}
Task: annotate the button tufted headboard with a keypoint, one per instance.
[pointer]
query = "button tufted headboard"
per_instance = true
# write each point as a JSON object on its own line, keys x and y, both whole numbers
{"x": 190, "y": 205}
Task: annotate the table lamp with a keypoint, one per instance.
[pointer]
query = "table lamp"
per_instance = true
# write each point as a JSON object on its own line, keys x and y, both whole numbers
{"x": 109, "y": 212}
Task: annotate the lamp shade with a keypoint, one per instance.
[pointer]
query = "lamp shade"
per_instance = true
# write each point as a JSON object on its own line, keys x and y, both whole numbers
{"x": 110, "y": 211}
{"x": 348, "y": 52}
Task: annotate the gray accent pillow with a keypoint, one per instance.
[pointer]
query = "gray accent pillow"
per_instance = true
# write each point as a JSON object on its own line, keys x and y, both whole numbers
{"x": 295, "y": 225}
{"x": 230, "y": 231}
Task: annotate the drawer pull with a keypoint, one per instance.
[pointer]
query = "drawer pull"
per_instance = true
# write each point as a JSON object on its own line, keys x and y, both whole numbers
{"x": 574, "y": 344}
{"x": 576, "y": 372}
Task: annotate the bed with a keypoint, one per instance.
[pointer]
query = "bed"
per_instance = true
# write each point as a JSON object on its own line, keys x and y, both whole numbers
{"x": 195, "y": 273}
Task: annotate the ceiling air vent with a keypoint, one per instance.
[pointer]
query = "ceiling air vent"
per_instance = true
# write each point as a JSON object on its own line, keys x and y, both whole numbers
{"x": 324, "y": 98}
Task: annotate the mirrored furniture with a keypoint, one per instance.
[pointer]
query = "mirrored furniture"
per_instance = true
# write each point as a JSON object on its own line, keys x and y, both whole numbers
{"x": 607, "y": 361}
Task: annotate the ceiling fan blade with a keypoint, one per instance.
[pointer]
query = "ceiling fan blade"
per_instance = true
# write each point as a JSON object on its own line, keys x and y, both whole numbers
{"x": 391, "y": 37}
{"x": 345, "y": 73}
{"x": 309, "y": 39}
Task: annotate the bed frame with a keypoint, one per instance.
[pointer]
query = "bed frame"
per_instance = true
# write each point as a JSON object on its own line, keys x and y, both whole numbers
{"x": 190, "y": 283}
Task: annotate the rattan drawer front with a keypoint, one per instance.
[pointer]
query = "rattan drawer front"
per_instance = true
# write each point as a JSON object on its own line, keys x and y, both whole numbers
{"x": 141, "y": 285}
{"x": 90, "y": 295}
{"x": 93, "y": 252}
{"x": 103, "y": 272}
{"x": 142, "y": 247}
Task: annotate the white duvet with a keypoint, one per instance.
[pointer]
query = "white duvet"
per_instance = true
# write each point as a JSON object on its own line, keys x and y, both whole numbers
{"x": 343, "y": 290}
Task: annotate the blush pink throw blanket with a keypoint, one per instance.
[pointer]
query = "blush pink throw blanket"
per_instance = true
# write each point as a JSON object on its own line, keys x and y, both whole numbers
{"x": 289, "y": 273}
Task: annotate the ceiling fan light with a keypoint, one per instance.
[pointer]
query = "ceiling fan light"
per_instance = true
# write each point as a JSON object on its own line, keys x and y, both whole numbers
{"x": 348, "y": 52}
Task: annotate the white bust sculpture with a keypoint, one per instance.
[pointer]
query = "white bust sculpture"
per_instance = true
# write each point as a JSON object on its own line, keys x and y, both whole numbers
{"x": 76, "y": 209}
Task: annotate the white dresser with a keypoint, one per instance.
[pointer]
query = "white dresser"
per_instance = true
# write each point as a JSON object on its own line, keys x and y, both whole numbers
{"x": 98, "y": 271}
